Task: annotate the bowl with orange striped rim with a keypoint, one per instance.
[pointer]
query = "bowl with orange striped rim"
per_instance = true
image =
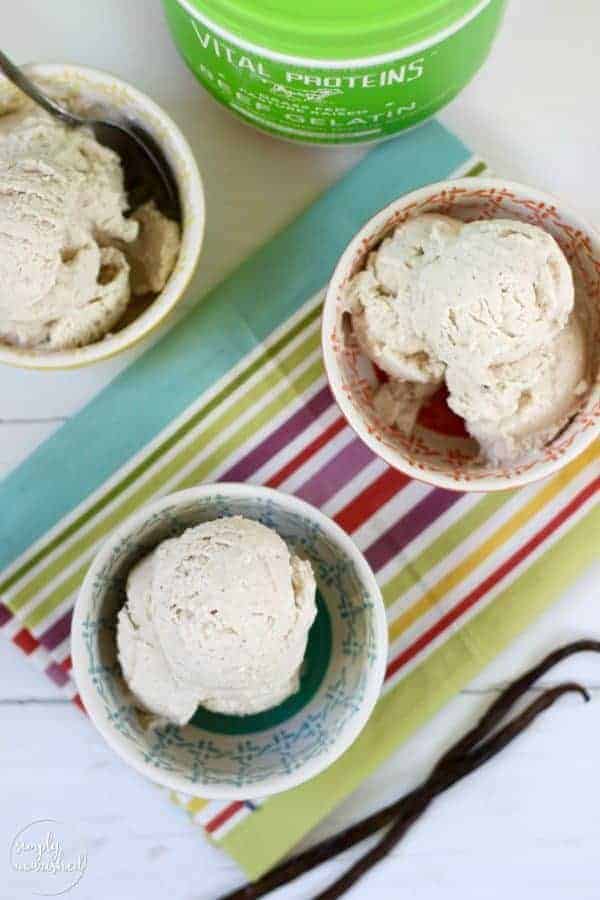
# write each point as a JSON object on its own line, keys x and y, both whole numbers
{"x": 440, "y": 451}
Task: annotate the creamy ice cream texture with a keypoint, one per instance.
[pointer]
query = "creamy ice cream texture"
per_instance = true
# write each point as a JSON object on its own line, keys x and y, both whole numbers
{"x": 217, "y": 617}
{"x": 69, "y": 257}
{"x": 489, "y": 306}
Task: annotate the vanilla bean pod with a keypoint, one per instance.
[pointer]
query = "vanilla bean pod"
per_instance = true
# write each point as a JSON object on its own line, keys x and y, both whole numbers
{"x": 303, "y": 862}
{"x": 457, "y": 769}
{"x": 513, "y": 692}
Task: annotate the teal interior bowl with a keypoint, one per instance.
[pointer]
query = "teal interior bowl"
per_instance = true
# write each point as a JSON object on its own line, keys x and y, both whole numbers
{"x": 219, "y": 756}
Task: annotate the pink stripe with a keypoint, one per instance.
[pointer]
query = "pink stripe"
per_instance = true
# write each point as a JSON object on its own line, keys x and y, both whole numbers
{"x": 336, "y": 473}
{"x": 494, "y": 578}
{"x": 279, "y": 438}
{"x": 406, "y": 529}
{"x": 5, "y": 615}
{"x": 57, "y": 632}
{"x": 57, "y": 674}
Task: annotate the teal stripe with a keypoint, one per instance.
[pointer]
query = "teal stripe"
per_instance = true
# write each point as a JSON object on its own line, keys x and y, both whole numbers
{"x": 264, "y": 292}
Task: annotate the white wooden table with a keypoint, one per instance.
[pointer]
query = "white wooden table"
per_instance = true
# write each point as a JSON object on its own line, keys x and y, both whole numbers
{"x": 529, "y": 823}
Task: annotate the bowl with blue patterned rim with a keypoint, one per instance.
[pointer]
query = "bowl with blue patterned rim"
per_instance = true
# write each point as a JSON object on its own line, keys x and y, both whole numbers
{"x": 234, "y": 757}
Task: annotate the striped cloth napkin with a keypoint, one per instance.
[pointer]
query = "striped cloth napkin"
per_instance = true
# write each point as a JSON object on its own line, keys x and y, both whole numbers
{"x": 236, "y": 391}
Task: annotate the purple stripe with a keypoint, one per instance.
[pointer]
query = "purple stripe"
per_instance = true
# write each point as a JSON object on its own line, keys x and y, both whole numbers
{"x": 5, "y": 615}
{"x": 57, "y": 674}
{"x": 279, "y": 438}
{"x": 336, "y": 473}
{"x": 56, "y": 634}
{"x": 410, "y": 526}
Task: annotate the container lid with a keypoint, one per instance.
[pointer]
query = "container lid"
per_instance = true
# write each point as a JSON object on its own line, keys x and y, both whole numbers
{"x": 334, "y": 29}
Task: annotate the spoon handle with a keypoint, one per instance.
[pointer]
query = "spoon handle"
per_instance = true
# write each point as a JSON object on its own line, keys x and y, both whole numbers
{"x": 17, "y": 76}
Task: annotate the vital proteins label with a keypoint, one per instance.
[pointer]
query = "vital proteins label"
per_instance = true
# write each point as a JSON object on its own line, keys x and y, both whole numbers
{"x": 332, "y": 105}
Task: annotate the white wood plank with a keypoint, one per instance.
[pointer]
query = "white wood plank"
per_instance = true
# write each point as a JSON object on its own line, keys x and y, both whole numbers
{"x": 19, "y": 679}
{"x": 140, "y": 844}
{"x": 29, "y": 395}
{"x": 66, "y": 769}
{"x": 526, "y": 111}
{"x": 529, "y": 817}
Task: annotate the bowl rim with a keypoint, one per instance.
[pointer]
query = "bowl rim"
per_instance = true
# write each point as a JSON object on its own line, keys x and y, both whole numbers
{"x": 395, "y": 458}
{"x": 192, "y": 236}
{"x": 272, "y": 784}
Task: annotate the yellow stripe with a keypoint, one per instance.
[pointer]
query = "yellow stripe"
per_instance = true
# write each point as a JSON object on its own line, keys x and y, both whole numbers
{"x": 196, "y": 804}
{"x": 502, "y": 534}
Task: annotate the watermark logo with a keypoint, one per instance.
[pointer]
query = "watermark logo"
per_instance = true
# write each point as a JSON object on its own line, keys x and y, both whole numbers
{"x": 49, "y": 857}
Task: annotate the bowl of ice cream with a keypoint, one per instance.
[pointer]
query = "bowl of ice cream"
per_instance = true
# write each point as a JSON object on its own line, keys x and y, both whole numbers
{"x": 229, "y": 641}
{"x": 82, "y": 275}
{"x": 461, "y": 334}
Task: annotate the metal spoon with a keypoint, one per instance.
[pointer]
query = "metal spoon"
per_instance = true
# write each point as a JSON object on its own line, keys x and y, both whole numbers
{"x": 147, "y": 174}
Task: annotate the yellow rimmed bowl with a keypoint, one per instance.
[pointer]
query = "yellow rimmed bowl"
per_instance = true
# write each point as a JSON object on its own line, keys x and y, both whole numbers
{"x": 104, "y": 89}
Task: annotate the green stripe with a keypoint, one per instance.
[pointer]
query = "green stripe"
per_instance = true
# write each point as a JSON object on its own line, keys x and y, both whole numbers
{"x": 280, "y": 372}
{"x": 477, "y": 169}
{"x": 162, "y": 448}
{"x": 291, "y": 393}
{"x": 145, "y": 492}
{"x": 286, "y": 818}
{"x": 448, "y": 540}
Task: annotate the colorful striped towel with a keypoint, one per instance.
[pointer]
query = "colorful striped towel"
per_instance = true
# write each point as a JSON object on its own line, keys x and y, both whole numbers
{"x": 236, "y": 391}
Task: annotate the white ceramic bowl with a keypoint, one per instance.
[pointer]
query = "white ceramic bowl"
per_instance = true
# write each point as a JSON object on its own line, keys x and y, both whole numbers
{"x": 437, "y": 453}
{"x": 232, "y": 756}
{"x": 102, "y": 88}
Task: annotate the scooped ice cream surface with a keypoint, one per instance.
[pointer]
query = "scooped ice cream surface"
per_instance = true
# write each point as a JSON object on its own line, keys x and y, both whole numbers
{"x": 528, "y": 402}
{"x": 489, "y": 307}
{"x": 217, "y": 617}
{"x": 500, "y": 290}
{"x": 381, "y": 299}
{"x": 64, "y": 236}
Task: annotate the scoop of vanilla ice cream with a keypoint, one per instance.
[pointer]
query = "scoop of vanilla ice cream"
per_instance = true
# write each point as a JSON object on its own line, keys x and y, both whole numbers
{"x": 217, "y": 617}
{"x": 488, "y": 306}
{"x": 69, "y": 257}
{"x": 413, "y": 244}
{"x": 384, "y": 332}
{"x": 143, "y": 663}
{"x": 499, "y": 291}
{"x": 398, "y": 403}
{"x": 525, "y": 404}
{"x": 380, "y": 298}
{"x": 152, "y": 256}
{"x": 61, "y": 202}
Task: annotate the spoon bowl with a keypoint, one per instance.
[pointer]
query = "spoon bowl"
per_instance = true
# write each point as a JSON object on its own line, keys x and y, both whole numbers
{"x": 147, "y": 173}
{"x": 98, "y": 94}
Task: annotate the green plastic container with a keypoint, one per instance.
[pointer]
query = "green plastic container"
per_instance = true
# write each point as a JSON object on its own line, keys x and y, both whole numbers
{"x": 334, "y": 71}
